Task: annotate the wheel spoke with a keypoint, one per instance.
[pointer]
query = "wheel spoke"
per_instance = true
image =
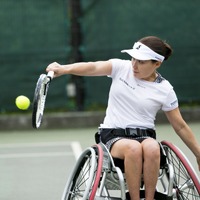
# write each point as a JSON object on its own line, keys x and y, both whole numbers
{"x": 183, "y": 184}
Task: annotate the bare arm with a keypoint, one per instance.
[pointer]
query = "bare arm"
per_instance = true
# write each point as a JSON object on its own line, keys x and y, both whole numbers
{"x": 184, "y": 132}
{"x": 99, "y": 68}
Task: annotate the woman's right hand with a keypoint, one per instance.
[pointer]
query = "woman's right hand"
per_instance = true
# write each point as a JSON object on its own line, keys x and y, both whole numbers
{"x": 57, "y": 68}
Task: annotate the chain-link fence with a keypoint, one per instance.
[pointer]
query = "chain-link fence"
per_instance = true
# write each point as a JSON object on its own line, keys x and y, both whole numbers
{"x": 36, "y": 33}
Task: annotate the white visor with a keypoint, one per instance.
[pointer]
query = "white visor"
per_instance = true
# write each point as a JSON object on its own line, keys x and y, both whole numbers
{"x": 143, "y": 52}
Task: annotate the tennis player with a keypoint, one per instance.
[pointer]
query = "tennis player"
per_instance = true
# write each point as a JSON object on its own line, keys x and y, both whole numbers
{"x": 137, "y": 93}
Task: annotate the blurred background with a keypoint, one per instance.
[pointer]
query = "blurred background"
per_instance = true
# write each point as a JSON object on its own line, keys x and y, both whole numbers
{"x": 35, "y": 33}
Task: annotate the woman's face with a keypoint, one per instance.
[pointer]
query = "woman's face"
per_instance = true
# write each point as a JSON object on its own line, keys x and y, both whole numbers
{"x": 145, "y": 69}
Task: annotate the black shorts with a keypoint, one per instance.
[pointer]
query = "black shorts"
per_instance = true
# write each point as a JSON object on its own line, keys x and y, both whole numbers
{"x": 110, "y": 136}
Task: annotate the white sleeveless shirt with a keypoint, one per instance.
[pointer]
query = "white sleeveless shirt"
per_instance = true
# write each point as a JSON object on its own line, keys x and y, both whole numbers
{"x": 134, "y": 103}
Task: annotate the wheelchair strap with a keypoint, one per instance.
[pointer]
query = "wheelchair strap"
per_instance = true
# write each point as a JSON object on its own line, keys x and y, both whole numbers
{"x": 108, "y": 134}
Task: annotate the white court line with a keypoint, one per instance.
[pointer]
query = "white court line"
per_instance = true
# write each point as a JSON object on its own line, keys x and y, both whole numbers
{"x": 77, "y": 150}
{"x": 40, "y": 144}
{"x": 35, "y": 155}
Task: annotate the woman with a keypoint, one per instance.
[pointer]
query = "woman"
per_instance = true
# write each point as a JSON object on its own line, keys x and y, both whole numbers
{"x": 137, "y": 92}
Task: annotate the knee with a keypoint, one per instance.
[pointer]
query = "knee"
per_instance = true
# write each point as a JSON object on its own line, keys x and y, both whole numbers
{"x": 151, "y": 149}
{"x": 133, "y": 150}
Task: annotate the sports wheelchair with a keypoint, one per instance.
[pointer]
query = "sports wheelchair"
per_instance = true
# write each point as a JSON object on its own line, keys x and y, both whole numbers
{"x": 97, "y": 175}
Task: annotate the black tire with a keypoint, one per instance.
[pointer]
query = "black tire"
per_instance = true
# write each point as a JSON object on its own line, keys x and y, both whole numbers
{"x": 186, "y": 183}
{"x": 80, "y": 183}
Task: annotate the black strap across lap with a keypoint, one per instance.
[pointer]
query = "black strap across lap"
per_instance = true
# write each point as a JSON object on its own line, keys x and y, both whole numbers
{"x": 107, "y": 134}
{"x": 134, "y": 132}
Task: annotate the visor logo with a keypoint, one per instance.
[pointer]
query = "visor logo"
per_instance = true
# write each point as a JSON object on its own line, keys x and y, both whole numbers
{"x": 138, "y": 47}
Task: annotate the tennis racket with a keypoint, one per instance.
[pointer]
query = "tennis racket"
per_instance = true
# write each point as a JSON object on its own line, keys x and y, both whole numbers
{"x": 39, "y": 99}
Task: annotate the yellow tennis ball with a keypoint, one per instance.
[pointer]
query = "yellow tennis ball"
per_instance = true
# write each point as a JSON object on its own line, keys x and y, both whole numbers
{"x": 22, "y": 102}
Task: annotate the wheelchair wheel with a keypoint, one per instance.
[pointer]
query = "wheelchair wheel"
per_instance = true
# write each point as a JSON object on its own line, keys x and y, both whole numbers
{"x": 186, "y": 185}
{"x": 84, "y": 179}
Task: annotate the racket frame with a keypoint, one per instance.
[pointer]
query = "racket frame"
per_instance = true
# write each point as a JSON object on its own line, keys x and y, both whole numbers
{"x": 39, "y": 99}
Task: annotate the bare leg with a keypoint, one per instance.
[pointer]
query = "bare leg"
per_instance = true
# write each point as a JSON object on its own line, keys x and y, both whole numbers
{"x": 151, "y": 166}
{"x": 131, "y": 152}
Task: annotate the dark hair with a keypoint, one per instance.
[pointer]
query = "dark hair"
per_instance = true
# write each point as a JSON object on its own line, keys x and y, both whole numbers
{"x": 157, "y": 45}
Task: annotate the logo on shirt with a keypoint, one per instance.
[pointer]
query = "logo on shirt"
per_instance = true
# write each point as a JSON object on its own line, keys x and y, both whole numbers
{"x": 126, "y": 83}
{"x": 140, "y": 86}
{"x": 173, "y": 103}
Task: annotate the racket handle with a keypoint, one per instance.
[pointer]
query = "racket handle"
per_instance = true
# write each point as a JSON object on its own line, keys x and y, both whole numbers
{"x": 50, "y": 74}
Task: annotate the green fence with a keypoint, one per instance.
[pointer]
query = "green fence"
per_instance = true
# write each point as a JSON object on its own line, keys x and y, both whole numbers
{"x": 36, "y": 33}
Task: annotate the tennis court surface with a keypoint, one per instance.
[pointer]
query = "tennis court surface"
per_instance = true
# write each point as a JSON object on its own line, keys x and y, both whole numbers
{"x": 36, "y": 164}
{"x": 33, "y": 171}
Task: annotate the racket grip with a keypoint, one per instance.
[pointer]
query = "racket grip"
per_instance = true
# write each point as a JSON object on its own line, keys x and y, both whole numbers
{"x": 50, "y": 74}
